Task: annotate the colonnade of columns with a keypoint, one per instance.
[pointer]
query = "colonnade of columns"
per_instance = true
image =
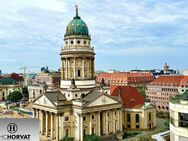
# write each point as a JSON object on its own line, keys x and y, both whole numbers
{"x": 48, "y": 123}
{"x": 105, "y": 122}
{"x": 86, "y": 69}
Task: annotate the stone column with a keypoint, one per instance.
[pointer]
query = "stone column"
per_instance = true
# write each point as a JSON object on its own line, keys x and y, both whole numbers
{"x": 113, "y": 122}
{"x": 57, "y": 127}
{"x": 68, "y": 69}
{"x": 34, "y": 113}
{"x": 93, "y": 68}
{"x": 118, "y": 117}
{"x": 66, "y": 72}
{"x": 61, "y": 127}
{"x": 42, "y": 122}
{"x": 99, "y": 124}
{"x": 83, "y": 68}
{"x": 90, "y": 69}
{"x": 81, "y": 127}
{"x": 37, "y": 113}
{"x": 65, "y": 68}
{"x": 90, "y": 124}
{"x": 74, "y": 68}
{"x": 105, "y": 123}
{"x": 62, "y": 69}
{"x": 47, "y": 126}
{"x": 52, "y": 126}
{"x": 120, "y": 120}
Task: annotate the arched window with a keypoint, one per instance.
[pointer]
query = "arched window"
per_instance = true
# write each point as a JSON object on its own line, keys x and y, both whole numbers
{"x": 137, "y": 118}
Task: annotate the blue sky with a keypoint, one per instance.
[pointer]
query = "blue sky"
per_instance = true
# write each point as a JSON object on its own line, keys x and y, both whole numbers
{"x": 125, "y": 34}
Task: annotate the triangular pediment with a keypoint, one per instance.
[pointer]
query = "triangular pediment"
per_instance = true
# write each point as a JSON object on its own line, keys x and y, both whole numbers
{"x": 103, "y": 100}
{"x": 43, "y": 101}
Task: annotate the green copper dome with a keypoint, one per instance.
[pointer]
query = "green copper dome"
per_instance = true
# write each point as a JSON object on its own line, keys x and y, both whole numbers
{"x": 77, "y": 27}
{"x": 8, "y": 81}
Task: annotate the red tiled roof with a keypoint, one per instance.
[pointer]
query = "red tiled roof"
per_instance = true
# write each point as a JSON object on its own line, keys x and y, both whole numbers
{"x": 16, "y": 77}
{"x": 167, "y": 80}
{"x": 184, "y": 81}
{"x": 127, "y": 77}
{"x": 130, "y": 96}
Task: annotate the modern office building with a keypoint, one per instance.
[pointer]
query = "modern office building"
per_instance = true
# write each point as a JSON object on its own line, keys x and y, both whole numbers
{"x": 179, "y": 118}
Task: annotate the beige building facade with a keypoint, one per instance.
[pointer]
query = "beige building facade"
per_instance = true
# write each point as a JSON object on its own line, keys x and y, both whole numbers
{"x": 140, "y": 119}
{"x": 179, "y": 118}
{"x": 7, "y": 86}
{"x": 99, "y": 114}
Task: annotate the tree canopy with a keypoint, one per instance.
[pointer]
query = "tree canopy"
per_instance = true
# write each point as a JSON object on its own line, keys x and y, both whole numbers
{"x": 25, "y": 92}
{"x": 92, "y": 138}
{"x": 15, "y": 96}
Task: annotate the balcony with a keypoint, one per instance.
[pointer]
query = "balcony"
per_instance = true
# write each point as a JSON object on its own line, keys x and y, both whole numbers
{"x": 79, "y": 49}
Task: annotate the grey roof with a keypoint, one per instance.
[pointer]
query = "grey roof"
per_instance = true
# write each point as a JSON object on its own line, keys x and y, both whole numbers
{"x": 55, "y": 96}
{"x": 91, "y": 96}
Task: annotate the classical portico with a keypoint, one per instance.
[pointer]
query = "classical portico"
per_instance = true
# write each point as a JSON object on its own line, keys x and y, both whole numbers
{"x": 95, "y": 114}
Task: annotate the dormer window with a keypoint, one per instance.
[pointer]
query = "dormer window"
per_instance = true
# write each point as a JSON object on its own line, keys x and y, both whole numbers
{"x": 132, "y": 100}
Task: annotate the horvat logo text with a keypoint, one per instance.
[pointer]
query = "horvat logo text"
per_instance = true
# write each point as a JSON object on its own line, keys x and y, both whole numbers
{"x": 12, "y": 128}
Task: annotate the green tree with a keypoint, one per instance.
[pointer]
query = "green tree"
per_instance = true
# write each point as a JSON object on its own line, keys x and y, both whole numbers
{"x": 166, "y": 123}
{"x": 15, "y": 96}
{"x": 25, "y": 92}
{"x": 142, "y": 90}
{"x": 92, "y": 138}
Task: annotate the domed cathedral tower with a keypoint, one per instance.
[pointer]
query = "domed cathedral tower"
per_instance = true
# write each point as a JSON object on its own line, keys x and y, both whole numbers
{"x": 77, "y": 55}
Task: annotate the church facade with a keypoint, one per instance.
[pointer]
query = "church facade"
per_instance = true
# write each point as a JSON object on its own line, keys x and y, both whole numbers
{"x": 77, "y": 108}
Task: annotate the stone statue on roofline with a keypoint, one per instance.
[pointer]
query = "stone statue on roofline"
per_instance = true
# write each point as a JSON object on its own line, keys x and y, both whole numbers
{"x": 73, "y": 85}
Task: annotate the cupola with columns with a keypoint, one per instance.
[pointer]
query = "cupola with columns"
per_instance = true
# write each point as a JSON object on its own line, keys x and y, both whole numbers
{"x": 77, "y": 55}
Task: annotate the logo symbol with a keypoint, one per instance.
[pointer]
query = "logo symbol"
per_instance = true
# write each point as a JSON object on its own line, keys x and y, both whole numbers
{"x": 12, "y": 128}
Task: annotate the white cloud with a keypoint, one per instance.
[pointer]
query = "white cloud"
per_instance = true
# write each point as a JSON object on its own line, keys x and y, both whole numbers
{"x": 129, "y": 27}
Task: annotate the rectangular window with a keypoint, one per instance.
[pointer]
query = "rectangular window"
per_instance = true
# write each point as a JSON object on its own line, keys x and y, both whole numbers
{"x": 66, "y": 118}
{"x": 128, "y": 126}
{"x": 84, "y": 118}
{"x": 93, "y": 117}
{"x": 128, "y": 117}
{"x": 84, "y": 132}
{"x": 79, "y": 73}
{"x": 137, "y": 118}
{"x": 183, "y": 119}
{"x": 149, "y": 116}
{"x": 93, "y": 130}
{"x": 137, "y": 126}
{"x": 67, "y": 132}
